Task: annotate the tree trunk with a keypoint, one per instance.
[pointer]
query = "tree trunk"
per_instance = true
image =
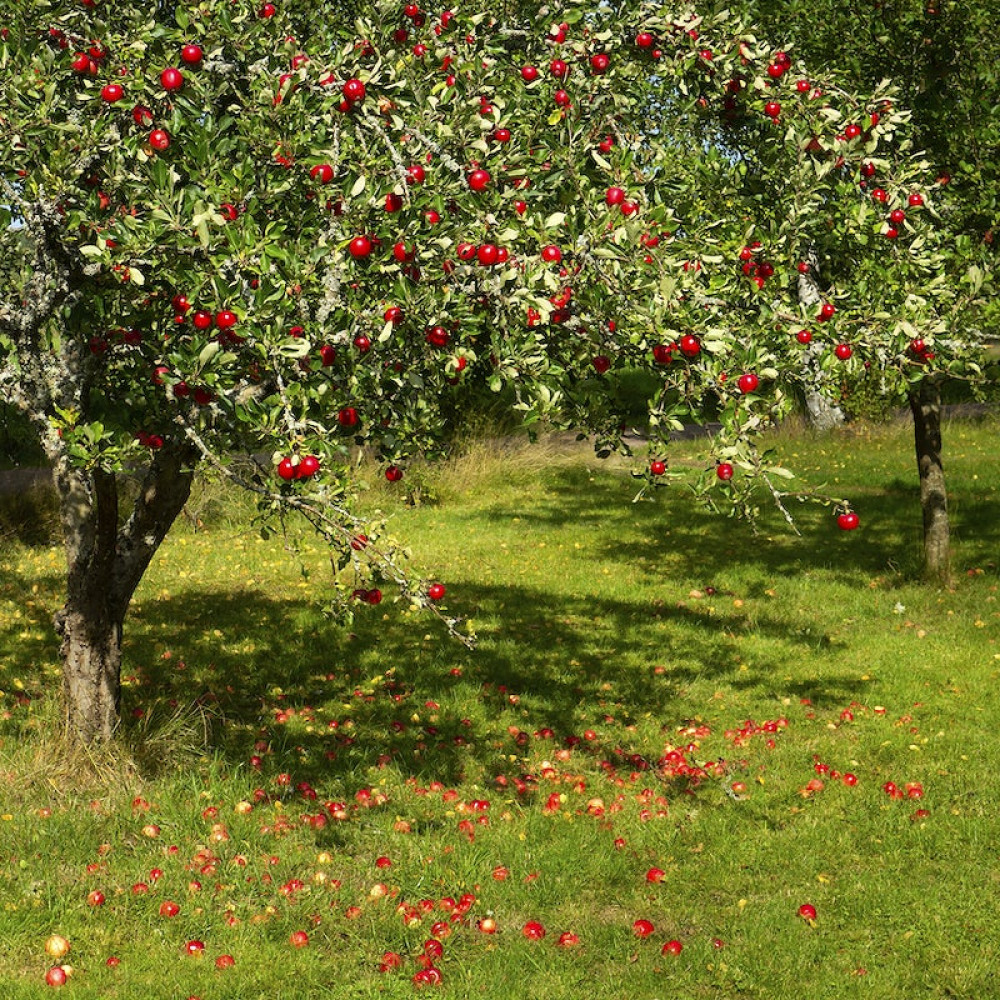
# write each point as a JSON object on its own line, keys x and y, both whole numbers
{"x": 925, "y": 403}
{"x": 91, "y": 654}
{"x": 105, "y": 563}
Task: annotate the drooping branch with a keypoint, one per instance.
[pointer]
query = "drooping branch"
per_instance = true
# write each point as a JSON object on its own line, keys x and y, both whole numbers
{"x": 332, "y": 522}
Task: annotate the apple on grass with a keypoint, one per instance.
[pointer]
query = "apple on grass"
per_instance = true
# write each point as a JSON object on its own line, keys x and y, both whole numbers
{"x": 56, "y": 946}
{"x": 56, "y": 976}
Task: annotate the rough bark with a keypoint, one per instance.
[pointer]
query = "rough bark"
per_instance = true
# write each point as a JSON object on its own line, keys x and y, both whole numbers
{"x": 925, "y": 404}
{"x": 821, "y": 414}
{"x": 91, "y": 655}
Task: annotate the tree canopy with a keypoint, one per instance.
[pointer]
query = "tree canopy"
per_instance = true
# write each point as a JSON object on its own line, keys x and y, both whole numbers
{"x": 272, "y": 229}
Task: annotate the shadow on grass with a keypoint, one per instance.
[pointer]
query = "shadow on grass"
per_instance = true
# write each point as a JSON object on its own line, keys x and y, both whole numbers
{"x": 327, "y": 704}
{"x": 677, "y": 534}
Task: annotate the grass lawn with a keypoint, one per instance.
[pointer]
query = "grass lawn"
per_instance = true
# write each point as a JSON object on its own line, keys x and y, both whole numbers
{"x": 658, "y": 725}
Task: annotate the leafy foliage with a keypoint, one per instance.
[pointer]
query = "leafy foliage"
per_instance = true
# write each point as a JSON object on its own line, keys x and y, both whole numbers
{"x": 275, "y": 231}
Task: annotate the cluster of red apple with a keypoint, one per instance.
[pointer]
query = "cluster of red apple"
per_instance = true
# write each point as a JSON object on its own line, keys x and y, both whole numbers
{"x": 486, "y": 255}
{"x": 224, "y": 320}
{"x": 753, "y": 265}
{"x": 57, "y": 947}
{"x": 147, "y": 440}
{"x": 99, "y": 345}
{"x": 911, "y": 790}
{"x": 688, "y": 345}
{"x": 171, "y": 79}
{"x": 295, "y": 467}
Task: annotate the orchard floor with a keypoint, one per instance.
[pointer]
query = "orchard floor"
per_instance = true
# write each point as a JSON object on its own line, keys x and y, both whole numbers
{"x": 658, "y": 725}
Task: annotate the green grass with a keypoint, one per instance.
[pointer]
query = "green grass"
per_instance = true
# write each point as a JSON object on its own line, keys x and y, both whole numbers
{"x": 656, "y": 625}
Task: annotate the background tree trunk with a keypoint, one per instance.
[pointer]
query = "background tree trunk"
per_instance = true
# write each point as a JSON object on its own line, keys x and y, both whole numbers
{"x": 925, "y": 403}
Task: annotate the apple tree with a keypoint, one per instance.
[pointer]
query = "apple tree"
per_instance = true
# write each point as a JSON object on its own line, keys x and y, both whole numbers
{"x": 943, "y": 59}
{"x": 275, "y": 230}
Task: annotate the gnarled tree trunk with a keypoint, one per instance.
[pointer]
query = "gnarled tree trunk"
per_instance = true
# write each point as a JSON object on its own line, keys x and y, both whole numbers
{"x": 925, "y": 403}
{"x": 105, "y": 563}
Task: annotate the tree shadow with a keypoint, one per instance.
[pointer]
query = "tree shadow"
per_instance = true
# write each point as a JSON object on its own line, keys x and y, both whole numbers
{"x": 672, "y": 532}
{"x": 331, "y": 705}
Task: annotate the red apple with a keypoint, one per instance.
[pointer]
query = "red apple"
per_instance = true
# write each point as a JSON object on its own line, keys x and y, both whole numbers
{"x": 308, "y": 467}
{"x": 298, "y": 939}
{"x": 689, "y": 345}
{"x": 724, "y": 471}
{"x": 807, "y": 911}
{"x": 673, "y": 947}
{"x": 847, "y": 521}
{"x": 533, "y": 930}
{"x": 487, "y": 255}
{"x": 435, "y": 591}
{"x": 112, "y": 92}
{"x": 657, "y": 467}
{"x": 172, "y": 79}
{"x": 360, "y": 247}
{"x": 748, "y": 383}
{"x": 478, "y": 180}
{"x": 191, "y": 54}
{"x": 56, "y": 976}
{"x": 843, "y": 351}
{"x": 643, "y": 928}
{"x": 354, "y": 91}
